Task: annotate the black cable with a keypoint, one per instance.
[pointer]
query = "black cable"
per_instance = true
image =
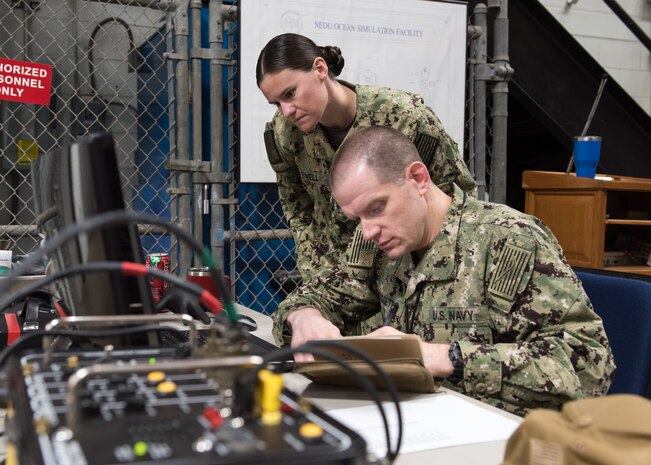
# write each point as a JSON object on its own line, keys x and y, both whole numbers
{"x": 97, "y": 267}
{"x": 46, "y": 215}
{"x": 388, "y": 382}
{"x": 117, "y": 217}
{"x": 91, "y": 46}
{"x": 284, "y": 353}
{"x": 28, "y": 337}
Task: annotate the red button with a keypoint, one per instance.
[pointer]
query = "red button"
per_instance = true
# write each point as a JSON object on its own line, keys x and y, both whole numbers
{"x": 214, "y": 418}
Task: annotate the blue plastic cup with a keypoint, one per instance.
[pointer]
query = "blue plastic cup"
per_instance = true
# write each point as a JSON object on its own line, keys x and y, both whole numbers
{"x": 586, "y": 155}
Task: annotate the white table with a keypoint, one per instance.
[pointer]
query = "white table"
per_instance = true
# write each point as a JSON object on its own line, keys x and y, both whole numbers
{"x": 329, "y": 398}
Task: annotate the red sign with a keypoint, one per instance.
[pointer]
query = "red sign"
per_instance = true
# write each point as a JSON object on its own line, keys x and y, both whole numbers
{"x": 21, "y": 81}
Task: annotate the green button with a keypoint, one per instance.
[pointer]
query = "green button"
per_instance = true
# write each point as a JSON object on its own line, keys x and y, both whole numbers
{"x": 140, "y": 448}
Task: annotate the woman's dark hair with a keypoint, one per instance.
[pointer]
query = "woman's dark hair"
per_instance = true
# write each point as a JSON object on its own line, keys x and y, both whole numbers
{"x": 294, "y": 51}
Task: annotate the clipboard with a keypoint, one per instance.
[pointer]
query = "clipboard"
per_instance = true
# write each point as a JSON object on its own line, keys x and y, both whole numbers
{"x": 399, "y": 356}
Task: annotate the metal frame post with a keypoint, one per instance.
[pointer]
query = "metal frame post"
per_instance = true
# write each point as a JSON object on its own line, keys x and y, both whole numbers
{"x": 500, "y": 90}
{"x": 479, "y": 102}
{"x": 183, "y": 182}
{"x": 216, "y": 41}
{"x": 198, "y": 190}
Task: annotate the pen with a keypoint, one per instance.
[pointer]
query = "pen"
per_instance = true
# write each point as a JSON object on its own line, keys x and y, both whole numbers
{"x": 392, "y": 312}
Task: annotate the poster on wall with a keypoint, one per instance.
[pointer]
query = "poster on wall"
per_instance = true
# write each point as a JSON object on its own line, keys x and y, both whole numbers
{"x": 414, "y": 45}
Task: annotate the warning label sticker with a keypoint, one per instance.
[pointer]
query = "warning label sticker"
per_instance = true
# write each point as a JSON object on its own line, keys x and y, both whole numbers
{"x": 22, "y": 81}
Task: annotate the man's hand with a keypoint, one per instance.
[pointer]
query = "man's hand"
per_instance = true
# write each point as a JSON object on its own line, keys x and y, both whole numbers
{"x": 307, "y": 324}
{"x": 436, "y": 358}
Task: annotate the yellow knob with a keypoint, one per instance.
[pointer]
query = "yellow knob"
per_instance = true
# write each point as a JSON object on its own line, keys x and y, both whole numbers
{"x": 310, "y": 431}
{"x": 155, "y": 377}
{"x": 166, "y": 387}
{"x": 271, "y": 386}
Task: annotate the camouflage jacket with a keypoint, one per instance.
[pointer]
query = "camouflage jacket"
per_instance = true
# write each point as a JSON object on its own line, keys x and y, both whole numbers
{"x": 302, "y": 164}
{"x": 495, "y": 280}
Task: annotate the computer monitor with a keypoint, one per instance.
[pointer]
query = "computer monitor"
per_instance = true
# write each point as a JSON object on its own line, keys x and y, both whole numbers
{"x": 74, "y": 183}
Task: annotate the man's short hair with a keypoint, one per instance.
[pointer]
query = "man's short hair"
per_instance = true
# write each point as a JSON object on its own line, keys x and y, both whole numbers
{"x": 385, "y": 150}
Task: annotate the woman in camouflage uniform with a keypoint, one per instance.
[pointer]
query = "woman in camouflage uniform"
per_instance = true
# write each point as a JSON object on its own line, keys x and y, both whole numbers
{"x": 316, "y": 112}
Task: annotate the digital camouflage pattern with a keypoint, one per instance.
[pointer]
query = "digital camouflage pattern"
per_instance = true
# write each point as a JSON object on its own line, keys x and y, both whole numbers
{"x": 496, "y": 280}
{"x": 302, "y": 164}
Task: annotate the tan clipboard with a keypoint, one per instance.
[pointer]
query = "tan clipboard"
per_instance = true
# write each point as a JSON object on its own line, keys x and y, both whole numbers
{"x": 400, "y": 357}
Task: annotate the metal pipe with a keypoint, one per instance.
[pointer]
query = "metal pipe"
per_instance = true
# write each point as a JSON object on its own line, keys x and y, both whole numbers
{"x": 500, "y": 104}
{"x": 18, "y": 230}
{"x": 27, "y": 112}
{"x": 232, "y": 147}
{"x": 182, "y": 34}
{"x": 480, "y": 47}
{"x": 197, "y": 129}
{"x": 171, "y": 103}
{"x": 216, "y": 43}
{"x": 260, "y": 234}
{"x": 257, "y": 235}
{"x": 74, "y": 10}
{"x": 164, "y": 5}
{"x": 472, "y": 34}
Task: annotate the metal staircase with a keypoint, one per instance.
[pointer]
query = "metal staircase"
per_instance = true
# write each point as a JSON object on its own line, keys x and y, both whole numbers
{"x": 550, "y": 96}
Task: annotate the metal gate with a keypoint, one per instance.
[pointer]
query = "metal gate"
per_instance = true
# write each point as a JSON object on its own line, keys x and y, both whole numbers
{"x": 161, "y": 76}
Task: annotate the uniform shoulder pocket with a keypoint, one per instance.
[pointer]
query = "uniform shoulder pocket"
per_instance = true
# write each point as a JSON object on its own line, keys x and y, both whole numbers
{"x": 511, "y": 267}
{"x": 276, "y": 160}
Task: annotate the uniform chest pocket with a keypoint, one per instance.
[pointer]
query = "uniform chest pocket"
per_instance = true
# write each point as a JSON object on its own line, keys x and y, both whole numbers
{"x": 456, "y": 323}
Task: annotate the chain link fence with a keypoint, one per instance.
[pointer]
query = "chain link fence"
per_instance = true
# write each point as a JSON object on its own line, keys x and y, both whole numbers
{"x": 162, "y": 77}
{"x": 108, "y": 75}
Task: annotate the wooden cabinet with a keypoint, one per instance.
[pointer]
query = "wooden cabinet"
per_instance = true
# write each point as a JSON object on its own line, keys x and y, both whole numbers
{"x": 591, "y": 218}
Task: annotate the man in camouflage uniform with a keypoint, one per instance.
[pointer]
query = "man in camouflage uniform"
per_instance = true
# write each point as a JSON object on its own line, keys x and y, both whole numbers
{"x": 504, "y": 317}
{"x": 302, "y": 164}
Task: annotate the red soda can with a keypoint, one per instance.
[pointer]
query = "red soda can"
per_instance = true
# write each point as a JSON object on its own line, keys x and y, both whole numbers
{"x": 159, "y": 287}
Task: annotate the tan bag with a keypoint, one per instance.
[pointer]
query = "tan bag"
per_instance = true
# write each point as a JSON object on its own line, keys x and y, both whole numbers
{"x": 399, "y": 356}
{"x": 610, "y": 430}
